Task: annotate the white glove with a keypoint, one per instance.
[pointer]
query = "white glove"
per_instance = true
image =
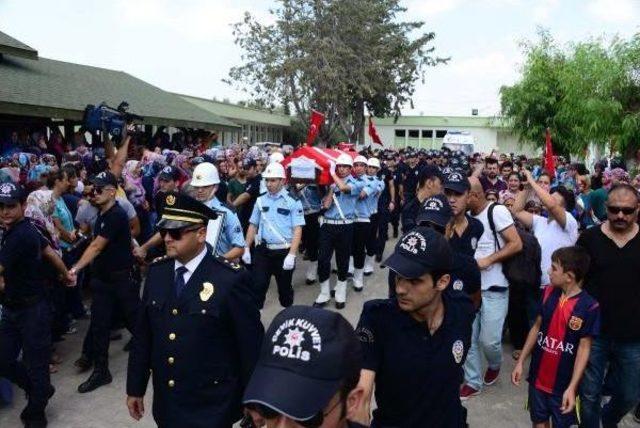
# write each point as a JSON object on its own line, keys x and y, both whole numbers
{"x": 289, "y": 262}
{"x": 332, "y": 167}
{"x": 246, "y": 257}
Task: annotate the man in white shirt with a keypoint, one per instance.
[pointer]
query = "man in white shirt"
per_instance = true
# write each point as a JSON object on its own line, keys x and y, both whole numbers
{"x": 558, "y": 230}
{"x": 487, "y": 328}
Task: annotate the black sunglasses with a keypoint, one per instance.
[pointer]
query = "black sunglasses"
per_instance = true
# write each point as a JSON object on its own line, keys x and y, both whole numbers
{"x": 269, "y": 413}
{"x": 617, "y": 210}
{"x": 177, "y": 234}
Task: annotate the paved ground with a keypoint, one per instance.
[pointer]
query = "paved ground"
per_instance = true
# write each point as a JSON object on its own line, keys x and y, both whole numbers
{"x": 499, "y": 406}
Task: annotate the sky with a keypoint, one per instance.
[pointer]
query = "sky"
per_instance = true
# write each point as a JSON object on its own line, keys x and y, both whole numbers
{"x": 187, "y": 46}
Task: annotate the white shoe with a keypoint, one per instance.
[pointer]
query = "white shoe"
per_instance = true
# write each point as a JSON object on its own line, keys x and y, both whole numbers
{"x": 358, "y": 280}
{"x": 341, "y": 294}
{"x": 324, "y": 296}
{"x": 312, "y": 272}
{"x": 368, "y": 265}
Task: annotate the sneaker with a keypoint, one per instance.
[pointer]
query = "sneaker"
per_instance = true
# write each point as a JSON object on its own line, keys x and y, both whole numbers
{"x": 467, "y": 392}
{"x": 491, "y": 376}
{"x": 636, "y": 414}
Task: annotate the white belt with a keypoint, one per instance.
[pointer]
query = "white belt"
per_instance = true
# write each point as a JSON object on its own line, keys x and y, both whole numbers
{"x": 278, "y": 246}
{"x": 363, "y": 220}
{"x": 329, "y": 221}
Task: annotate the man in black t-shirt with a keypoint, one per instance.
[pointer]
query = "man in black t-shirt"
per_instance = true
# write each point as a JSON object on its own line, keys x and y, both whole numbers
{"x": 111, "y": 282}
{"x": 246, "y": 200}
{"x": 614, "y": 250}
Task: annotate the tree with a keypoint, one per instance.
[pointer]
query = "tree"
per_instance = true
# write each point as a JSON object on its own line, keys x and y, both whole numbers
{"x": 339, "y": 57}
{"x": 586, "y": 93}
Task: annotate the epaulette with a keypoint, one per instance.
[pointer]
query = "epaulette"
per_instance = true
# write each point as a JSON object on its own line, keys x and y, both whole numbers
{"x": 161, "y": 259}
{"x": 236, "y": 267}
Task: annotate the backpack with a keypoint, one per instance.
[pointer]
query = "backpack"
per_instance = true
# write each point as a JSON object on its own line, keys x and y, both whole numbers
{"x": 523, "y": 269}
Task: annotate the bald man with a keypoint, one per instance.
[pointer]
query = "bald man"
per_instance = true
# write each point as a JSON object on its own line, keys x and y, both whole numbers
{"x": 496, "y": 244}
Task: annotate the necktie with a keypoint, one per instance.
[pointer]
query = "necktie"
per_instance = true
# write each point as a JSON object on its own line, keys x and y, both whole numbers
{"x": 179, "y": 280}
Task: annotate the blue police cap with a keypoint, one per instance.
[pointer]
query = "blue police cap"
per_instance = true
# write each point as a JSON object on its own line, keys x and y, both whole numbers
{"x": 306, "y": 355}
{"x": 11, "y": 194}
{"x": 169, "y": 173}
{"x": 436, "y": 210}
{"x": 421, "y": 251}
{"x": 457, "y": 182}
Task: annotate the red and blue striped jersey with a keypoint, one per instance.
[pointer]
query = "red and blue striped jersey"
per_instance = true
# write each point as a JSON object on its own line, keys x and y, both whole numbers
{"x": 564, "y": 323}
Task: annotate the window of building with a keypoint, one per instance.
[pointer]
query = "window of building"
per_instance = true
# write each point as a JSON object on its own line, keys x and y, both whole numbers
{"x": 414, "y": 133}
{"x": 427, "y": 133}
{"x": 401, "y": 133}
{"x": 440, "y": 133}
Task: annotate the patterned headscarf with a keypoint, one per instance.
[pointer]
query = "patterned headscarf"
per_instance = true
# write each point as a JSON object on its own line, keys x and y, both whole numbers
{"x": 40, "y": 206}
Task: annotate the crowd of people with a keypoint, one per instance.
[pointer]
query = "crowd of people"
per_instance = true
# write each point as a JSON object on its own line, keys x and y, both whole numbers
{"x": 177, "y": 239}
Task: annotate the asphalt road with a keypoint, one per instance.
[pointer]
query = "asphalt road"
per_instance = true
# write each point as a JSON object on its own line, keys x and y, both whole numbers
{"x": 499, "y": 406}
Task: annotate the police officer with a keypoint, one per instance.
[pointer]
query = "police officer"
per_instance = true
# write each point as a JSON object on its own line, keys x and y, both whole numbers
{"x": 386, "y": 206}
{"x": 276, "y": 228}
{"x": 199, "y": 330}
{"x": 26, "y": 313}
{"x": 307, "y": 374}
{"x": 246, "y": 200}
{"x": 378, "y": 186}
{"x": 111, "y": 276}
{"x": 429, "y": 184}
{"x": 417, "y": 374}
{"x": 311, "y": 204}
{"x": 362, "y": 229}
{"x": 410, "y": 177}
{"x": 336, "y": 230}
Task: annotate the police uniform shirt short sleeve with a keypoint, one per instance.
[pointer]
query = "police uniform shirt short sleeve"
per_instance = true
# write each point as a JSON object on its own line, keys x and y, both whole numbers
{"x": 418, "y": 375}
{"x": 492, "y": 276}
{"x": 468, "y": 241}
{"x": 255, "y": 215}
{"x": 297, "y": 217}
{"x": 113, "y": 225}
{"x": 21, "y": 259}
{"x": 231, "y": 235}
{"x": 552, "y": 236}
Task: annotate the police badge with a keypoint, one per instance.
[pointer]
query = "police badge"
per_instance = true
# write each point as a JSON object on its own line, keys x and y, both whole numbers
{"x": 207, "y": 291}
{"x": 575, "y": 323}
{"x": 458, "y": 284}
{"x": 457, "y": 350}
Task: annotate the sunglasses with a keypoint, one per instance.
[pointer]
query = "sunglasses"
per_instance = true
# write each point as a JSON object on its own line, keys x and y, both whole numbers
{"x": 269, "y": 413}
{"x": 177, "y": 234}
{"x": 617, "y": 210}
{"x": 97, "y": 190}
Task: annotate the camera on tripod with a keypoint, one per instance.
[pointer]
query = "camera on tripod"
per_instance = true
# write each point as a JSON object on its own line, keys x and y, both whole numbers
{"x": 108, "y": 119}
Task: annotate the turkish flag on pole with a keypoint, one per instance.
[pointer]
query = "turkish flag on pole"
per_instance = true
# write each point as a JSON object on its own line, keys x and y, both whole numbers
{"x": 549, "y": 164}
{"x": 373, "y": 133}
{"x": 317, "y": 119}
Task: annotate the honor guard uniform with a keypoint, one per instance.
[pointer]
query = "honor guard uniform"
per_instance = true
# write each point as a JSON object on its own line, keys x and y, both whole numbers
{"x": 311, "y": 204}
{"x": 417, "y": 374}
{"x": 336, "y": 230}
{"x": 199, "y": 332}
{"x": 375, "y": 183}
{"x": 276, "y": 228}
{"x": 206, "y": 177}
{"x": 362, "y": 229}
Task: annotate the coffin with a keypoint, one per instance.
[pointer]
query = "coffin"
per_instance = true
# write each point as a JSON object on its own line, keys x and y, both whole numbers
{"x": 304, "y": 159}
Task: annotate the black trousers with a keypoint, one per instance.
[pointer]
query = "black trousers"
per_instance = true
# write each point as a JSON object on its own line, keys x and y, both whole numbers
{"x": 371, "y": 244}
{"x": 267, "y": 263}
{"x": 27, "y": 329}
{"x": 336, "y": 237}
{"x": 310, "y": 232}
{"x": 361, "y": 234}
{"x": 521, "y": 314}
{"x": 122, "y": 291}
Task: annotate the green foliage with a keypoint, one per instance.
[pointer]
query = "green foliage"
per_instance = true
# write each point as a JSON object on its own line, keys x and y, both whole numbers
{"x": 586, "y": 93}
{"x": 335, "y": 56}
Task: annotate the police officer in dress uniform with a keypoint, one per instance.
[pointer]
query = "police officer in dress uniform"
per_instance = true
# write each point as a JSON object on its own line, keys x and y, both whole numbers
{"x": 417, "y": 374}
{"x": 336, "y": 230}
{"x": 111, "y": 278}
{"x": 26, "y": 313}
{"x": 307, "y": 373}
{"x": 276, "y": 228}
{"x": 199, "y": 332}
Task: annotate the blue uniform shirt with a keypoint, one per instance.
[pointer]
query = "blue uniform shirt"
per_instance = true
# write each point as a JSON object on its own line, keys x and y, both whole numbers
{"x": 378, "y": 187}
{"x": 231, "y": 233}
{"x": 363, "y": 208}
{"x": 347, "y": 201}
{"x": 418, "y": 375}
{"x": 280, "y": 212}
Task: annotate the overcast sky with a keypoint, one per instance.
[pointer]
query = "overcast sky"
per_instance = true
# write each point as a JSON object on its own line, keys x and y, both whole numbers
{"x": 186, "y": 46}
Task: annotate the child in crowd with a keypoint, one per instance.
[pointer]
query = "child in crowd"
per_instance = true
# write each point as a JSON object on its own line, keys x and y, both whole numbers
{"x": 560, "y": 341}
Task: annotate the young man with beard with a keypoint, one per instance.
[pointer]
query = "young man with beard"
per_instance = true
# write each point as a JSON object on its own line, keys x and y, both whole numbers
{"x": 490, "y": 179}
{"x": 436, "y": 333}
{"x": 614, "y": 249}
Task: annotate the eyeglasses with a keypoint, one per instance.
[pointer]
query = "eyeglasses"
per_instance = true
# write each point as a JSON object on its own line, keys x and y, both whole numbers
{"x": 177, "y": 234}
{"x": 617, "y": 210}
{"x": 269, "y": 413}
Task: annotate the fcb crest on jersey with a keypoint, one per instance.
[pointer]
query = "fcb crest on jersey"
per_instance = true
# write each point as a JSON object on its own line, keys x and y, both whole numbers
{"x": 575, "y": 323}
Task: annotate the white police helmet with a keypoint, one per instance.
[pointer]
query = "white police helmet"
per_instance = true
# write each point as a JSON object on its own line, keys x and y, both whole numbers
{"x": 374, "y": 162}
{"x": 274, "y": 170}
{"x": 344, "y": 159}
{"x": 360, "y": 159}
{"x": 205, "y": 174}
{"x": 276, "y": 157}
